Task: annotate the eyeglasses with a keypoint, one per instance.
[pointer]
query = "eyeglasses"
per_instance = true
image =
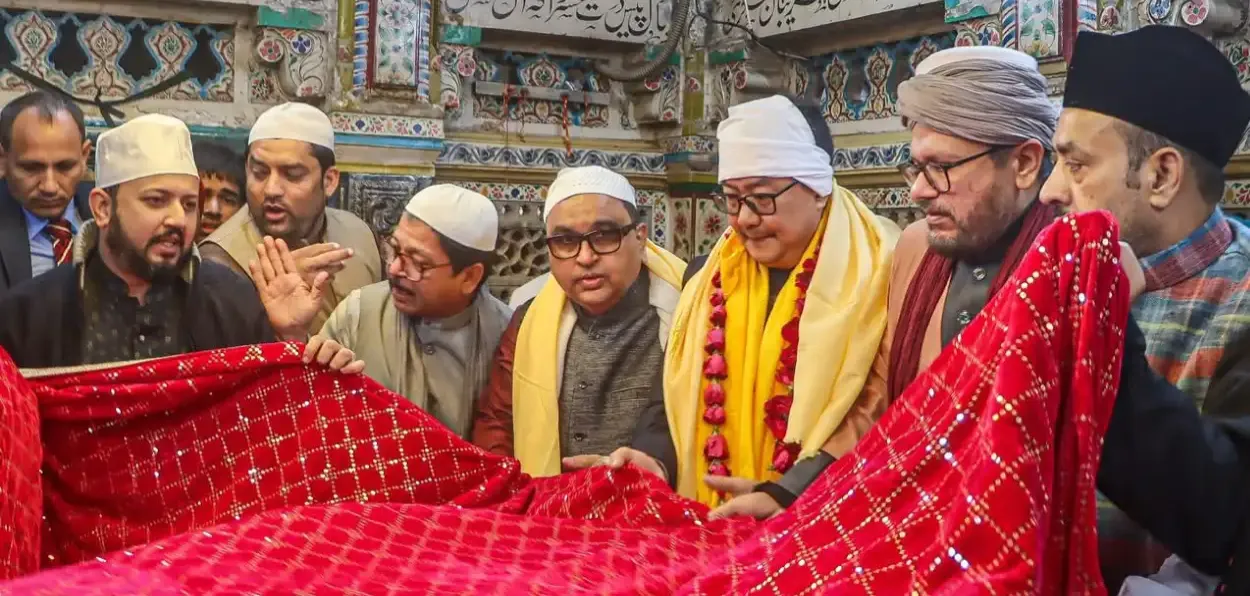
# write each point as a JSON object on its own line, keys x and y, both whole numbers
{"x": 938, "y": 174}
{"x": 603, "y": 241}
{"x": 759, "y": 203}
{"x": 409, "y": 268}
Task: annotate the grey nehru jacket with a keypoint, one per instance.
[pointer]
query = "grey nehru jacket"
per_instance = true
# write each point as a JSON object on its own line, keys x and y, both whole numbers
{"x": 609, "y": 370}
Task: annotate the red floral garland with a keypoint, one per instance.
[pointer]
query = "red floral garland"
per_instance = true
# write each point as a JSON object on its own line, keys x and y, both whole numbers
{"x": 716, "y": 369}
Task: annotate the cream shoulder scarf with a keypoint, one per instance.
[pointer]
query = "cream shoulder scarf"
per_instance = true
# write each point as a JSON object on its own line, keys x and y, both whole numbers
{"x": 841, "y": 326}
{"x": 538, "y": 364}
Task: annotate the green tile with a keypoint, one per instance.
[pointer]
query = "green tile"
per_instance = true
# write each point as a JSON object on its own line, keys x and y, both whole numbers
{"x": 293, "y": 18}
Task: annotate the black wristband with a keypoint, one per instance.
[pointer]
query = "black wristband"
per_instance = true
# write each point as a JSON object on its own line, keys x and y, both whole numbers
{"x": 779, "y": 494}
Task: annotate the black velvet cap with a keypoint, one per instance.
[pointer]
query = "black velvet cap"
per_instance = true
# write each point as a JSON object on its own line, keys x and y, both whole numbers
{"x": 1167, "y": 80}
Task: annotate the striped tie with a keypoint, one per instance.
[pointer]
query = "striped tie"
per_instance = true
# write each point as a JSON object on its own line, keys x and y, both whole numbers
{"x": 62, "y": 239}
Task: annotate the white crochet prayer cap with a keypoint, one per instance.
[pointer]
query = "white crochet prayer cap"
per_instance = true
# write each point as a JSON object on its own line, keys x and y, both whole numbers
{"x": 599, "y": 180}
{"x": 149, "y": 145}
{"x": 994, "y": 53}
{"x": 296, "y": 122}
{"x": 770, "y": 138}
{"x": 458, "y": 213}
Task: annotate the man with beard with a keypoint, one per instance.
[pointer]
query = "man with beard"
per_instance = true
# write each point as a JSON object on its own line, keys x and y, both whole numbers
{"x": 427, "y": 333}
{"x": 577, "y": 365}
{"x": 1154, "y": 156}
{"x": 290, "y": 177}
{"x": 981, "y": 125}
{"x": 222, "y": 178}
{"x": 137, "y": 288}
{"x": 45, "y": 148}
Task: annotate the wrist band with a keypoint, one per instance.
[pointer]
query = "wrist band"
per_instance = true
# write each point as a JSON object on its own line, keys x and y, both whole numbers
{"x": 779, "y": 494}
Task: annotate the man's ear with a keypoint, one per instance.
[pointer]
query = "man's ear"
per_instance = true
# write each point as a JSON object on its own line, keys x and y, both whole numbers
{"x": 1028, "y": 160}
{"x": 330, "y": 181}
{"x": 1163, "y": 176}
{"x": 471, "y": 277}
{"x": 101, "y": 207}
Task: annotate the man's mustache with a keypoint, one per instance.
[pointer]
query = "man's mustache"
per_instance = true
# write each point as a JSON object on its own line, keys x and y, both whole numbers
{"x": 173, "y": 237}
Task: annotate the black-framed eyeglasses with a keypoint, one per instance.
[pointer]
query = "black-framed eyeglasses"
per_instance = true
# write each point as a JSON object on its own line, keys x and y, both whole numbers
{"x": 760, "y": 203}
{"x": 938, "y": 174}
{"x": 409, "y": 266}
{"x": 603, "y": 241}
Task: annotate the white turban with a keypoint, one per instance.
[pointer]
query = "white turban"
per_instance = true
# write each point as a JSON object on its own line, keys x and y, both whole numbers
{"x": 149, "y": 145}
{"x": 296, "y": 122}
{"x": 458, "y": 213}
{"x": 571, "y": 182}
{"x": 770, "y": 138}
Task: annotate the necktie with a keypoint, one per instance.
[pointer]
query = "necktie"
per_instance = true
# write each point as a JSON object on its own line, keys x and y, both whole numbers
{"x": 62, "y": 240}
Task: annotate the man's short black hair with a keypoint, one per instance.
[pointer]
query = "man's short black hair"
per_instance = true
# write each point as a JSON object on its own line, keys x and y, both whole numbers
{"x": 325, "y": 157}
{"x": 1142, "y": 143}
{"x": 462, "y": 257}
{"x": 48, "y": 105}
{"x": 219, "y": 160}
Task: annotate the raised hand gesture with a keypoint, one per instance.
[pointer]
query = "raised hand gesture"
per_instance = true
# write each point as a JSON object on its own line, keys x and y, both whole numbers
{"x": 290, "y": 300}
{"x": 315, "y": 258}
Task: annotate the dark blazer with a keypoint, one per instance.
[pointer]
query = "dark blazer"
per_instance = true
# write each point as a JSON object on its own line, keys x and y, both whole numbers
{"x": 41, "y": 322}
{"x": 14, "y": 246}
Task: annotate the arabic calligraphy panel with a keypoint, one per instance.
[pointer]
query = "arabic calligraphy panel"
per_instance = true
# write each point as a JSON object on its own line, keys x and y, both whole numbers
{"x": 774, "y": 17}
{"x": 635, "y": 21}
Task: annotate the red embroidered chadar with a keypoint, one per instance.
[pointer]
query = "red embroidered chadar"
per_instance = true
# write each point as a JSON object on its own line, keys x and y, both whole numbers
{"x": 244, "y": 471}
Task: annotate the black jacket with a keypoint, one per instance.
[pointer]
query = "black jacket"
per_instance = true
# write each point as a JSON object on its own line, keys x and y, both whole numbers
{"x": 14, "y": 244}
{"x": 41, "y": 321}
{"x": 651, "y": 435}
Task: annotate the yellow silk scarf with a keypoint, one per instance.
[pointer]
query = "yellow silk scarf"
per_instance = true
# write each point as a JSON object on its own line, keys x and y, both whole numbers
{"x": 538, "y": 366}
{"x": 842, "y": 324}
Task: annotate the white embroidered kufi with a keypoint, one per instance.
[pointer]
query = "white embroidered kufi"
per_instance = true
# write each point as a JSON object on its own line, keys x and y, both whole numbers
{"x": 149, "y": 145}
{"x": 599, "y": 180}
{"x": 770, "y": 138}
{"x": 458, "y": 213}
{"x": 296, "y": 122}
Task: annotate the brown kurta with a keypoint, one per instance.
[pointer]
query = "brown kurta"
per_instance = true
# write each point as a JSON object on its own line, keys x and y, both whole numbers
{"x": 234, "y": 245}
{"x": 965, "y": 296}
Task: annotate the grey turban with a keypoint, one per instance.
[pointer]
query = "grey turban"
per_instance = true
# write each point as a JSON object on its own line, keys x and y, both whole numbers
{"x": 980, "y": 94}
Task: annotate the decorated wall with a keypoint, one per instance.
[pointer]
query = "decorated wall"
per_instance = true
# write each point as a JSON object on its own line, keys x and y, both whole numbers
{"x": 499, "y": 95}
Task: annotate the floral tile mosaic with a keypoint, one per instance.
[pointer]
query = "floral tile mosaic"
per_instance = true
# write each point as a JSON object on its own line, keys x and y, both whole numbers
{"x": 384, "y": 125}
{"x": 862, "y": 83}
{"x": 682, "y": 234}
{"x": 1039, "y": 27}
{"x": 710, "y": 222}
{"x": 117, "y": 56}
{"x": 549, "y": 158}
{"x": 401, "y": 44}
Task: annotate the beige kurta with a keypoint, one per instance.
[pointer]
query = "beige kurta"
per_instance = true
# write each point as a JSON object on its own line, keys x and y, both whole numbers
{"x": 234, "y": 245}
{"x": 440, "y": 365}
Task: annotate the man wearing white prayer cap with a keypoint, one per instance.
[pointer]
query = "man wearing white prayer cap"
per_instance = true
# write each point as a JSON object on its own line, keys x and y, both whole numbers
{"x": 579, "y": 361}
{"x": 777, "y": 327}
{"x": 137, "y": 288}
{"x": 429, "y": 332}
{"x": 291, "y": 174}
